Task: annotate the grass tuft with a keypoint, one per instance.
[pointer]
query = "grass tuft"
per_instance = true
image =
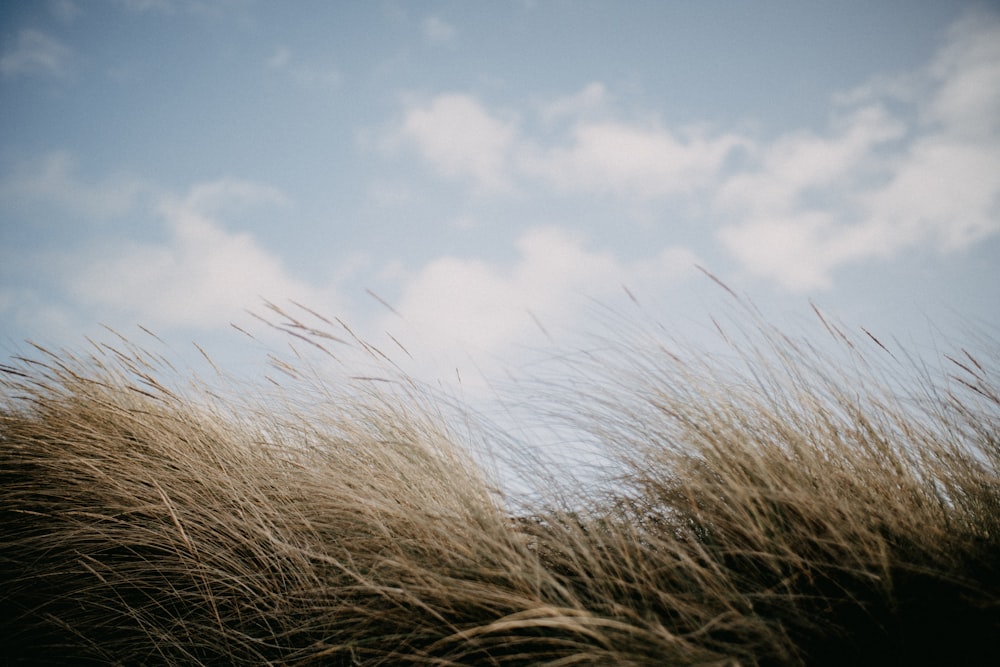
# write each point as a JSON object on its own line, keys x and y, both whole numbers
{"x": 770, "y": 505}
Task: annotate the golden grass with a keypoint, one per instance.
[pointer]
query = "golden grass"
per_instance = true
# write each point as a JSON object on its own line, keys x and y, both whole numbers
{"x": 773, "y": 507}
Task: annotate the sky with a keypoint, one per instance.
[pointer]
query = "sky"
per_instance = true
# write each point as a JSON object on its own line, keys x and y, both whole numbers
{"x": 467, "y": 184}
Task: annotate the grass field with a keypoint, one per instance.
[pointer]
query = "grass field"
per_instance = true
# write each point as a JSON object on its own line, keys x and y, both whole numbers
{"x": 775, "y": 505}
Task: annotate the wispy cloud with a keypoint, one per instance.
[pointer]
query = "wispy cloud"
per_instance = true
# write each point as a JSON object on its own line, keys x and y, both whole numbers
{"x": 593, "y": 98}
{"x": 279, "y": 59}
{"x": 629, "y": 160}
{"x": 34, "y": 311}
{"x": 438, "y": 31}
{"x": 35, "y": 53}
{"x": 65, "y": 10}
{"x": 307, "y": 75}
{"x": 53, "y": 179}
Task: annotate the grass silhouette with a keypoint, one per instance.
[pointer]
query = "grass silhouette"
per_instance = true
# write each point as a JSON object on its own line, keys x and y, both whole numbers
{"x": 772, "y": 506}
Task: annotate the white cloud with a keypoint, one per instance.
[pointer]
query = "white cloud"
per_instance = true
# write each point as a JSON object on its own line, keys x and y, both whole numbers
{"x": 630, "y": 161}
{"x": 907, "y": 161}
{"x": 438, "y": 31}
{"x": 592, "y": 98}
{"x": 787, "y": 248}
{"x": 33, "y": 53}
{"x": 203, "y": 275}
{"x": 878, "y": 184}
{"x": 791, "y": 211}
{"x": 797, "y": 163}
{"x": 967, "y": 71}
{"x": 944, "y": 193}
{"x": 53, "y": 179}
{"x": 461, "y": 139}
{"x": 455, "y": 310}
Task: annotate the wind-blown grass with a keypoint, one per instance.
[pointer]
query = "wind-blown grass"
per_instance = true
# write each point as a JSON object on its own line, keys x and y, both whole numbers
{"x": 773, "y": 507}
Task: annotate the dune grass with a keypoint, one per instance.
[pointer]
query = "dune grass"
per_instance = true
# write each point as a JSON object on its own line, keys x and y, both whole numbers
{"x": 773, "y": 506}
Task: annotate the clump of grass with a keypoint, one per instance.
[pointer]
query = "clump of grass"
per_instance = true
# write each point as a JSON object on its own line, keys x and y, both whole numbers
{"x": 784, "y": 506}
{"x": 773, "y": 507}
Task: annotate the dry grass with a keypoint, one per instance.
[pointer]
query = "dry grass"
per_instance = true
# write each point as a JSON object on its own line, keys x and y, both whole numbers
{"x": 774, "y": 507}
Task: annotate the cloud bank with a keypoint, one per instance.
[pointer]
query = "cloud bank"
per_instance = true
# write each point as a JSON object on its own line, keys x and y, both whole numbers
{"x": 905, "y": 162}
{"x": 34, "y": 53}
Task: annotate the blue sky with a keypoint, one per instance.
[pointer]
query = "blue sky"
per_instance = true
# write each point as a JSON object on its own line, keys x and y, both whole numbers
{"x": 492, "y": 170}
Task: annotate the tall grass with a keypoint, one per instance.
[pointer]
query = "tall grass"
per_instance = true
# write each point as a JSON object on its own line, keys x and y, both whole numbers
{"x": 771, "y": 506}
